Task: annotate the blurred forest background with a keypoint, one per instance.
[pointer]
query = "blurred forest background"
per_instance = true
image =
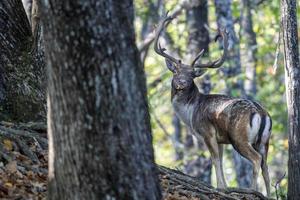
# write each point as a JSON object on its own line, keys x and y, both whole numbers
{"x": 254, "y": 69}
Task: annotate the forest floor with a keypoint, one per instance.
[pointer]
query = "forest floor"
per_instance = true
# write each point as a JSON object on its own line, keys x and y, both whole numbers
{"x": 24, "y": 161}
{"x": 24, "y": 168}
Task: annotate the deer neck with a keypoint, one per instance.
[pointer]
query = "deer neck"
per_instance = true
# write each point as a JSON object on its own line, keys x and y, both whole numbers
{"x": 184, "y": 102}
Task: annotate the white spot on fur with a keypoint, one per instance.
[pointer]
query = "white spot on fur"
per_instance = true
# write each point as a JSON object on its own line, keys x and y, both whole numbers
{"x": 266, "y": 133}
{"x": 253, "y": 131}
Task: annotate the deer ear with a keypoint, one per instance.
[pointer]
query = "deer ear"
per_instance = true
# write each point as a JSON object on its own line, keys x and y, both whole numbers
{"x": 171, "y": 66}
{"x": 199, "y": 72}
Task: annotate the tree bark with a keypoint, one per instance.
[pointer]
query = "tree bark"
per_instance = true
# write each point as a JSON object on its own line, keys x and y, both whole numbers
{"x": 197, "y": 19}
{"x": 249, "y": 51}
{"x": 198, "y": 39}
{"x": 233, "y": 65}
{"x": 292, "y": 78}
{"x": 98, "y": 120}
{"x": 22, "y": 91}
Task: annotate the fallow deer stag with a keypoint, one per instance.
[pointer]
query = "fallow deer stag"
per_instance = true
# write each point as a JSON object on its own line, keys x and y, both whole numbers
{"x": 219, "y": 119}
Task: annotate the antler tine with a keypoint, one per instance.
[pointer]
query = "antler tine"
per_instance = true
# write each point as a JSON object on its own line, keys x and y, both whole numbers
{"x": 158, "y": 49}
{"x": 197, "y": 58}
{"x": 218, "y": 63}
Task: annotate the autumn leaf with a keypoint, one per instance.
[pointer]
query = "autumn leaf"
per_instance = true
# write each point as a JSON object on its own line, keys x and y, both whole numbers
{"x": 286, "y": 144}
{"x": 8, "y": 184}
{"x": 8, "y": 144}
{"x": 12, "y": 167}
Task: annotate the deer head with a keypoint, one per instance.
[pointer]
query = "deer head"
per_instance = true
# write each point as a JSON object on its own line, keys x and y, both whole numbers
{"x": 183, "y": 74}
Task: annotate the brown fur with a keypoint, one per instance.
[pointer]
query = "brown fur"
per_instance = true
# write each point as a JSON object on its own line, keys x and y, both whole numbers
{"x": 219, "y": 119}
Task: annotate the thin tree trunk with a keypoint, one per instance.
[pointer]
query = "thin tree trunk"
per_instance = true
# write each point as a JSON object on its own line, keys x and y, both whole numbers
{"x": 292, "y": 77}
{"x": 233, "y": 68}
{"x": 197, "y": 19}
{"x": 22, "y": 88}
{"x": 250, "y": 49}
{"x": 99, "y": 127}
{"x": 233, "y": 65}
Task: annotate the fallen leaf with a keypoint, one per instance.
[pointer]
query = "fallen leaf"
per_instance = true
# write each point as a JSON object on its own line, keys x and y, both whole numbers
{"x": 12, "y": 167}
{"x": 8, "y": 144}
{"x": 286, "y": 144}
{"x": 8, "y": 184}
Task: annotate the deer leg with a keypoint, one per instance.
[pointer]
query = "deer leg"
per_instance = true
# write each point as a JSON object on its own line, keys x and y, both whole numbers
{"x": 213, "y": 148}
{"x": 264, "y": 153}
{"x": 254, "y": 157}
{"x": 220, "y": 146}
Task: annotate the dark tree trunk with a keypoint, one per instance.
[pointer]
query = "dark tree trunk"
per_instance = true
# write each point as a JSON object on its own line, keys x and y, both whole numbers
{"x": 22, "y": 91}
{"x": 224, "y": 19}
{"x": 249, "y": 51}
{"x": 152, "y": 16}
{"x": 233, "y": 65}
{"x": 197, "y": 19}
{"x": 99, "y": 127}
{"x": 292, "y": 76}
{"x": 198, "y": 39}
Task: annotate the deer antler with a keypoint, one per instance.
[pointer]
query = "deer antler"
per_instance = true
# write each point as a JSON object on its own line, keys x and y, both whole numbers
{"x": 158, "y": 49}
{"x": 216, "y": 63}
{"x": 197, "y": 58}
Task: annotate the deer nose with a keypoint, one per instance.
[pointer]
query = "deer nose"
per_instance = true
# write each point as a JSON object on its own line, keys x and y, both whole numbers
{"x": 183, "y": 82}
